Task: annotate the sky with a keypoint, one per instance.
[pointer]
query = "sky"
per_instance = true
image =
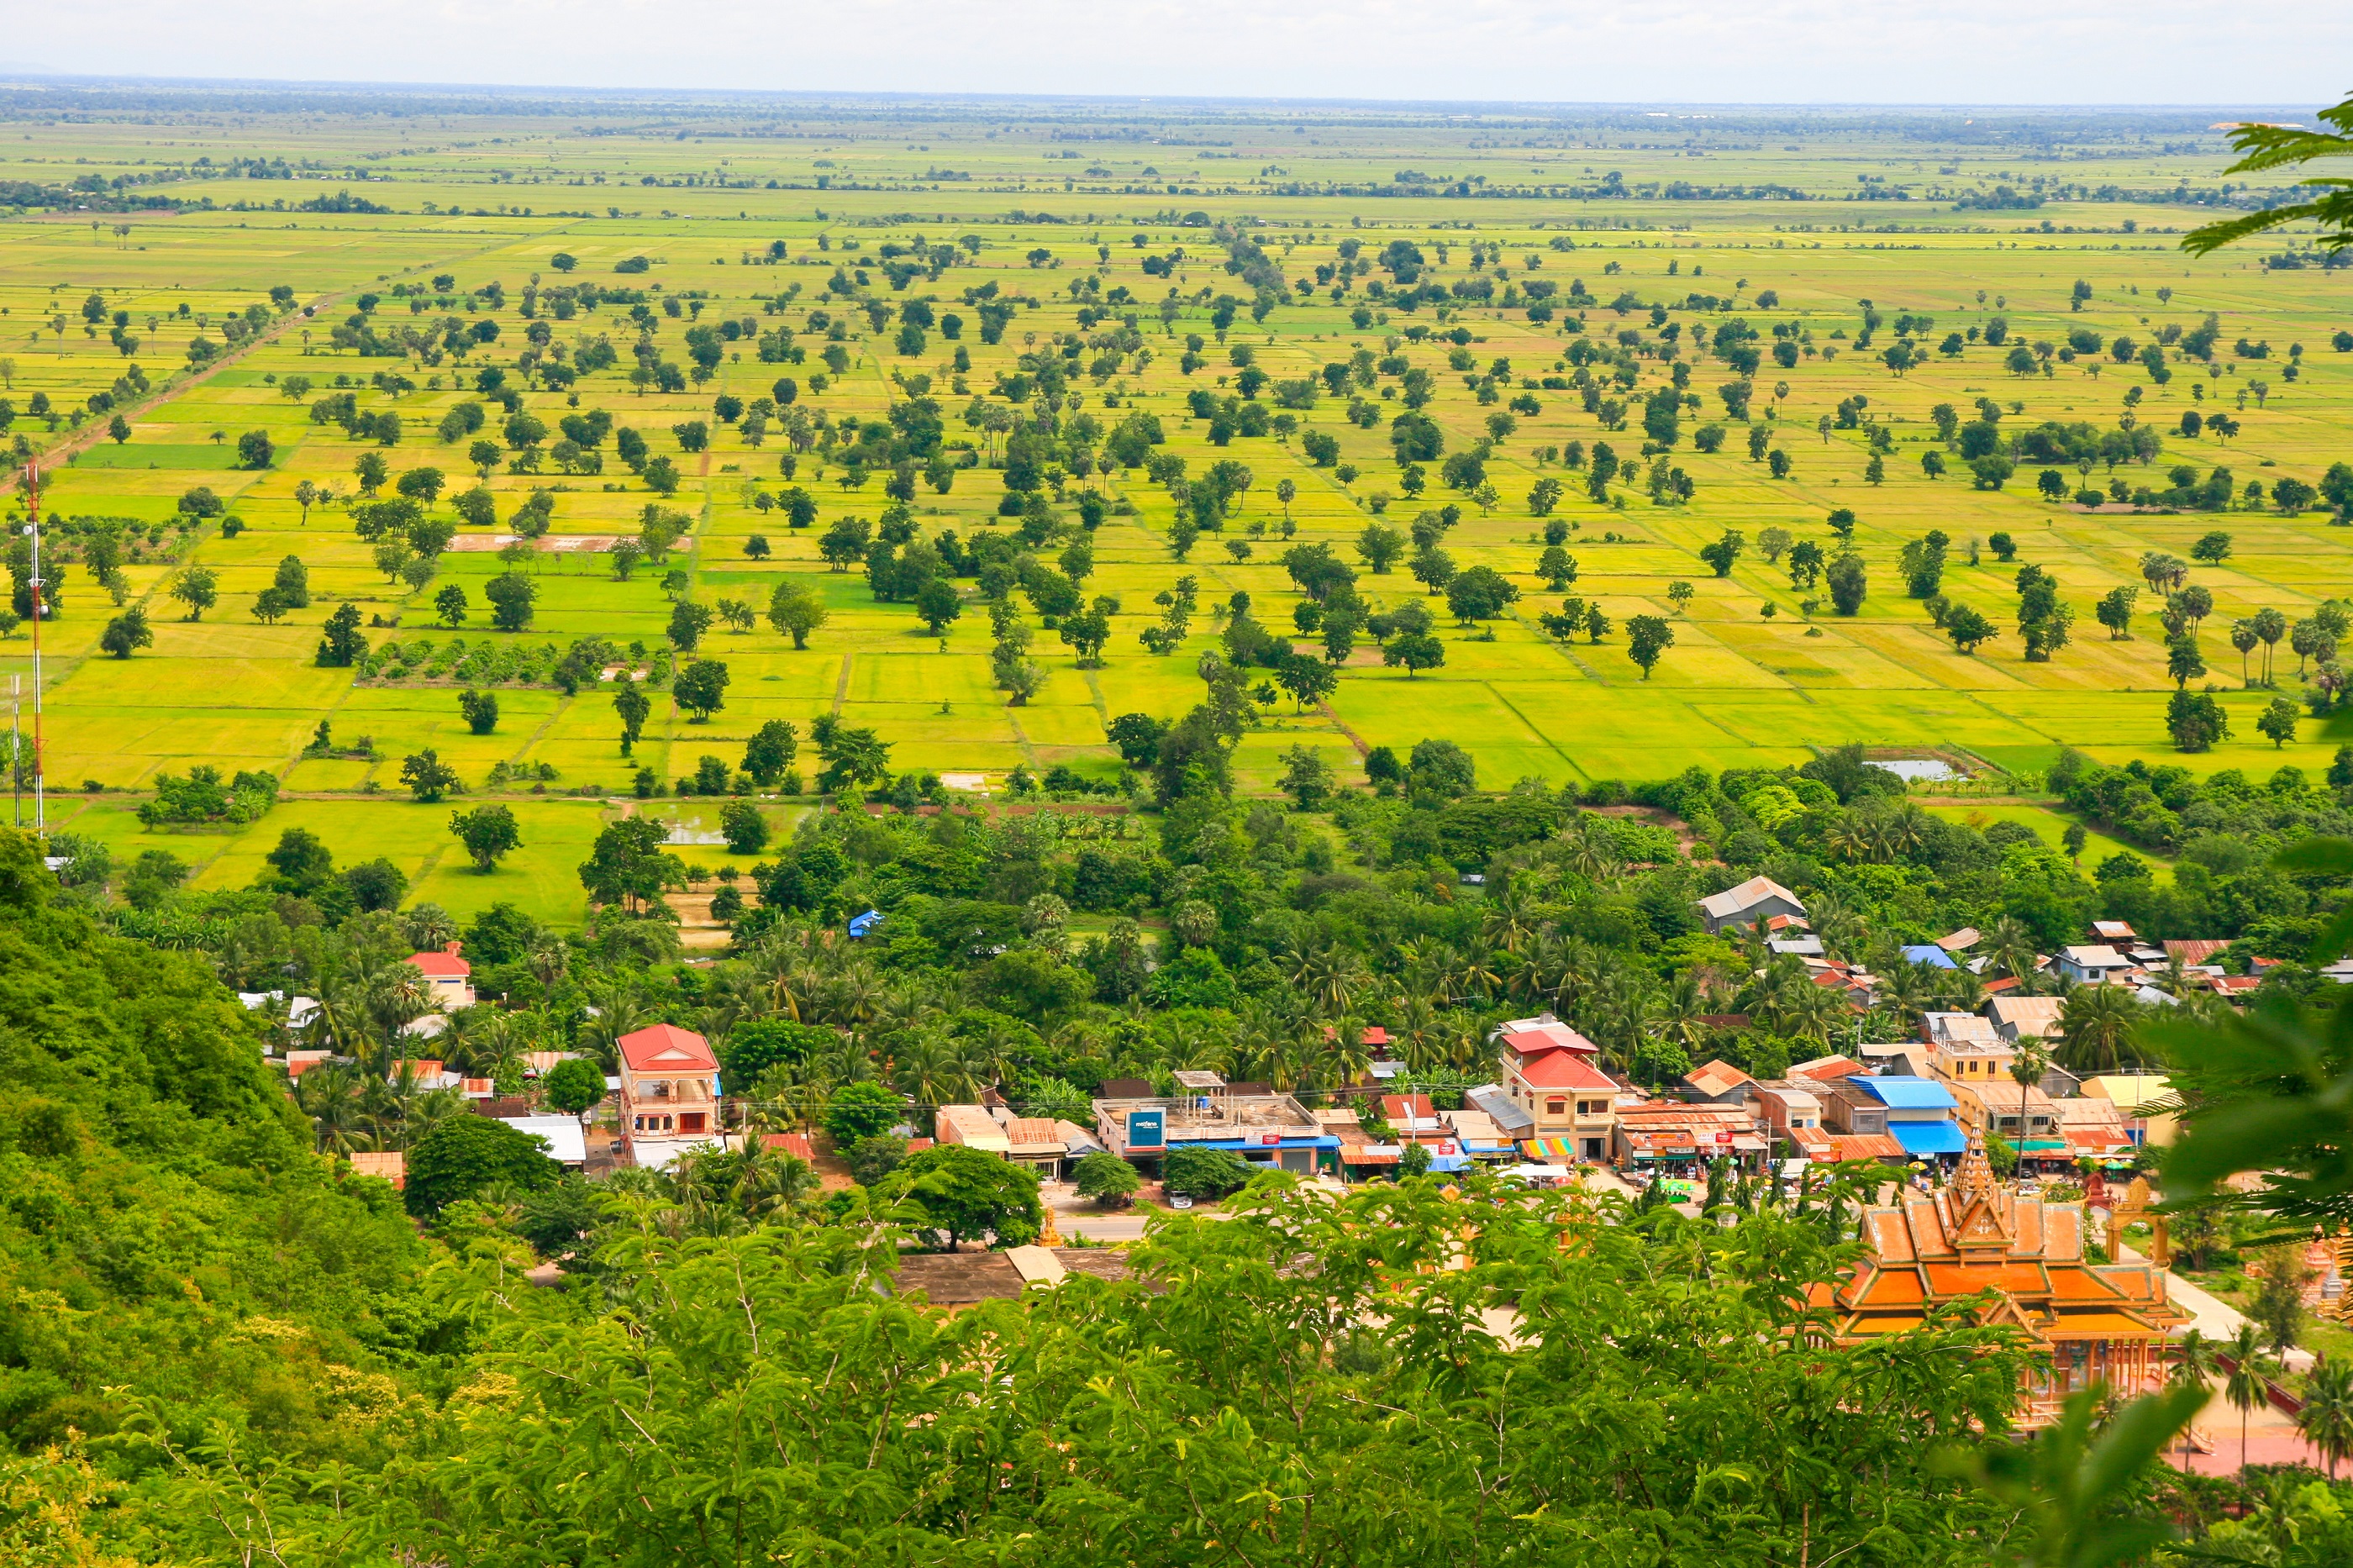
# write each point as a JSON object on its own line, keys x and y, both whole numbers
{"x": 2058, "y": 52}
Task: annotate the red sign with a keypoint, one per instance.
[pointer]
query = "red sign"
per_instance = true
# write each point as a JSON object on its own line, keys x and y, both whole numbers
{"x": 1723, "y": 1137}
{"x": 1269, "y": 1137}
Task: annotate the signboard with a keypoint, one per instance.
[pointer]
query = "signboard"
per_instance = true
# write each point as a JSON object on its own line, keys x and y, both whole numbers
{"x": 1723, "y": 1137}
{"x": 1147, "y": 1129}
{"x": 1270, "y": 1139}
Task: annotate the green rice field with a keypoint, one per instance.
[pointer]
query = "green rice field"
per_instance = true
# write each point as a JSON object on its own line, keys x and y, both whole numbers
{"x": 1113, "y": 259}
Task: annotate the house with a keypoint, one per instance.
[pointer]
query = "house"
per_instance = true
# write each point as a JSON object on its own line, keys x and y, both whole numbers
{"x": 1477, "y": 1134}
{"x": 2022, "y": 1114}
{"x": 1921, "y": 1114}
{"x": 970, "y": 1126}
{"x": 566, "y": 1145}
{"x": 2092, "y": 1323}
{"x": 1533, "y": 1036}
{"x": 2092, "y": 965}
{"x": 1512, "y": 1119}
{"x": 1272, "y": 1130}
{"x": 449, "y": 979}
{"x": 2094, "y": 1128}
{"x": 1657, "y": 1134}
{"x": 1964, "y": 1048}
{"x": 1960, "y": 941}
{"x": 1569, "y": 1102}
{"x": 389, "y": 1165}
{"x": 2145, "y": 1100}
{"x": 670, "y": 1094}
{"x": 1805, "y": 946}
{"x": 2114, "y": 932}
{"x": 1788, "y": 1108}
{"x": 796, "y": 1145}
{"x": 1851, "y": 1111}
{"x": 1827, "y": 1070}
{"x": 1904, "y": 1058}
{"x": 1758, "y": 898}
{"x": 1414, "y": 1118}
{"x": 1930, "y": 955}
{"x": 2016, "y": 1018}
{"x": 2194, "y": 951}
{"x": 1718, "y": 1083}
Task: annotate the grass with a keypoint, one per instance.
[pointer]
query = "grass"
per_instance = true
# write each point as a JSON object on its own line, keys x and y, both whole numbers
{"x": 1738, "y": 687}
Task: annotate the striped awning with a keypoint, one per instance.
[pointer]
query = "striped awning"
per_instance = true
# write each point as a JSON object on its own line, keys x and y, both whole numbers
{"x": 1550, "y": 1149}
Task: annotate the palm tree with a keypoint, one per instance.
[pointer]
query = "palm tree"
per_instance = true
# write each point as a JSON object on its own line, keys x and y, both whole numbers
{"x": 2196, "y": 1358}
{"x": 2095, "y": 1028}
{"x": 2009, "y": 947}
{"x": 2246, "y": 1388}
{"x": 2326, "y": 1418}
{"x": 2026, "y": 1070}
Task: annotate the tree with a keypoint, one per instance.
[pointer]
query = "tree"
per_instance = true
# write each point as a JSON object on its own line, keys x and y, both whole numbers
{"x": 2114, "y": 611}
{"x": 479, "y": 709}
{"x": 575, "y": 1085}
{"x": 126, "y": 634}
{"x": 744, "y": 828}
{"x": 1557, "y": 567}
{"x": 2278, "y": 722}
{"x": 1847, "y": 583}
{"x": 342, "y": 645}
{"x": 463, "y": 1155}
{"x": 795, "y": 610}
{"x": 701, "y": 687}
{"x": 1648, "y": 637}
{"x": 862, "y": 1109}
{"x": 2095, "y": 1030}
{"x": 627, "y": 867}
{"x": 938, "y": 604}
{"x": 1106, "y": 1179}
{"x": 962, "y": 1193}
{"x": 1379, "y": 546}
{"x": 1416, "y": 651}
{"x": 688, "y": 623}
{"x": 1307, "y": 777}
{"x": 488, "y": 832}
{"x": 1189, "y": 1172}
{"x": 1721, "y": 555}
{"x": 513, "y": 598}
{"x": 119, "y": 428}
{"x": 427, "y": 777}
{"x": 2326, "y": 1418}
{"x": 662, "y": 476}
{"x": 634, "y": 707}
{"x": 2212, "y": 549}
{"x": 1680, "y": 595}
{"x": 422, "y": 486}
{"x": 198, "y": 588}
{"x": 2183, "y": 661}
{"x": 1482, "y": 593}
{"x": 372, "y": 471}
{"x": 2248, "y": 1384}
{"x": 450, "y": 606}
{"x": 2196, "y": 720}
{"x": 770, "y": 752}
{"x": 1968, "y": 627}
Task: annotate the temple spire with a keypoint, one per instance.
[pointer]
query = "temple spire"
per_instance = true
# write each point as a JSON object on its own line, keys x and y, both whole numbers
{"x": 1977, "y": 1201}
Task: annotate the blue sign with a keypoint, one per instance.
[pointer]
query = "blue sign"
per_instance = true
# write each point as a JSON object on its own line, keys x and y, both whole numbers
{"x": 1147, "y": 1129}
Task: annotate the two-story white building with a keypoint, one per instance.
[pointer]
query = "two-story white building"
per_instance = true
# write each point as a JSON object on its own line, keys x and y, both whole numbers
{"x": 670, "y": 1094}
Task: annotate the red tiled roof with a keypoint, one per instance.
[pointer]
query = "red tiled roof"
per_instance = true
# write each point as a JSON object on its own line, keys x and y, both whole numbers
{"x": 443, "y": 965}
{"x": 1564, "y": 1069}
{"x": 796, "y": 1145}
{"x": 666, "y": 1047}
{"x": 1546, "y": 1038}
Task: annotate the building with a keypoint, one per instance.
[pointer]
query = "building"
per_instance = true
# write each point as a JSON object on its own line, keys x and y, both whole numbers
{"x": 2096, "y": 1322}
{"x": 567, "y": 1144}
{"x": 2092, "y": 964}
{"x": 1964, "y": 1048}
{"x": 1414, "y": 1118}
{"x": 1929, "y": 954}
{"x": 390, "y": 1165}
{"x": 1758, "y": 898}
{"x": 449, "y": 979}
{"x": 1788, "y": 1108}
{"x": 2094, "y": 1128}
{"x": 1534, "y": 1036}
{"x": 670, "y": 1094}
{"x": 2023, "y": 1116}
{"x": 2016, "y": 1018}
{"x": 1718, "y": 1083}
{"x": 1570, "y": 1104}
{"x": 2145, "y": 1100}
{"x": 1656, "y": 1134}
{"x": 1850, "y": 1111}
{"x": 1271, "y": 1129}
{"x": 1921, "y": 1114}
{"x": 1828, "y": 1069}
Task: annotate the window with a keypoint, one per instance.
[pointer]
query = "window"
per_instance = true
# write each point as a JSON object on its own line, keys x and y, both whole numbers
{"x": 1555, "y": 1106}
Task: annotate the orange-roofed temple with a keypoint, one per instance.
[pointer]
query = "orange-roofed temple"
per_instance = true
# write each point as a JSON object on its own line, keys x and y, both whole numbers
{"x": 2097, "y": 1323}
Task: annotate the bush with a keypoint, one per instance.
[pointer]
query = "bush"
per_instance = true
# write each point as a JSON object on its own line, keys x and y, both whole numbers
{"x": 1203, "y": 1173}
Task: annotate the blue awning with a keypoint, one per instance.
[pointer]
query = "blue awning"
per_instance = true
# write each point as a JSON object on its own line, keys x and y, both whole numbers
{"x": 1920, "y": 1138}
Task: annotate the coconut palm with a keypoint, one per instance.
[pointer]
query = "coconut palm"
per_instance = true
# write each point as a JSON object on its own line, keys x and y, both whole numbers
{"x": 2196, "y": 1359}
{"x": 2095, "y": 1028}
{"x": 328, "y": 1095}
{"x": 2326, "y": 1418}
{"x": 1510, "y": 921}
{"x": 2246, "y": 1388}
{"x": 2010, "y": 948}
{"x": 1590, "y": 847}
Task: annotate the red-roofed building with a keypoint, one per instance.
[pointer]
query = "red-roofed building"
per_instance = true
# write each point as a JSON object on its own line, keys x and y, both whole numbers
{"x": 796, "y": 1145}
{"x": 449, "y": 979}
{"x": 669, "y": 1093}
{"x": 1527, "y": 1038}
{"x": 1568, "y": 1097}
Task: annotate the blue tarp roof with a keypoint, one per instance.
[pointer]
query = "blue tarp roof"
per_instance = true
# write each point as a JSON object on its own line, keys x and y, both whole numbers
{"x": 1906, "y": 1093}
{"x": 1929, "y": 1137}
{"x": 1932, "y": 955}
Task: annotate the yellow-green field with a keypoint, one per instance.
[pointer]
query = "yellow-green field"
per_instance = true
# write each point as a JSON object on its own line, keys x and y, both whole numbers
{"x": 1738, "y": 687}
